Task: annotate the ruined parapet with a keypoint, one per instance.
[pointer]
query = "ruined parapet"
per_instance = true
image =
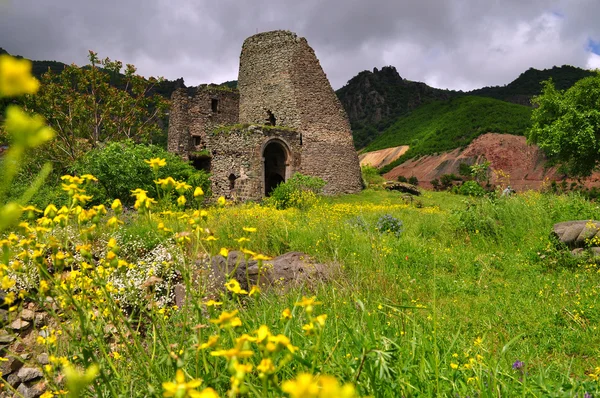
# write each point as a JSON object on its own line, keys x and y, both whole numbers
{"x": 249, "y": 161}
{"x": 196, "y": 111}
{"x": 281, "y": 83}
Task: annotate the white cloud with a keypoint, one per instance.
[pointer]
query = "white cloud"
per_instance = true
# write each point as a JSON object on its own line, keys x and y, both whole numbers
{"x": 593, "y": 61}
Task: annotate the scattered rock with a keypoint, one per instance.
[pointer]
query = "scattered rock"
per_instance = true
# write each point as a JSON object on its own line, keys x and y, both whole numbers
{"x": 6, "y": 338}
{"x": 27, "y": 374}
{"x": 288, "y": 270}
{"x": 27, "y": 315}
{"x": 12, "y": 364}
{"x": 42, "y": 359}
{"x": 215, "y": 273}
{"x": 13, "y": 380}
{"x": 32, "y": 391}
{"x": 41, "y": 319}
{"x": 402, "y": 187}
{"x": 179, "y": 291}
{"x": 3, "y": 316}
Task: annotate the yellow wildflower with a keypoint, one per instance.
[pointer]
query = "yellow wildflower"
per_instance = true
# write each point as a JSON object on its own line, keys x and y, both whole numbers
{"x": 261, "y": 257}
{"x": 235, "y": 352}
{"x": 254, "y": 290}
{"x": 117, "y": 206}
{"x": 28, "y": 131}
{"x": 224, "y": 252}
{"x": 212, "y": 341}
{"x": 213, "y": 303}
{"x": 305, "y": 386}
{"x": 266, "y": 366}
{"x": 234, "y": 287}
{"x": 249, "y": 229}
{"x": 180, "y": 388}
{"x": 113, "y": 222}
{"x": 286, "y": 314}
{"x": 198, "y": 192}
{"x": 321, "y": 319}
{"x": 166, "y": 183}
{"x": 156, "y": 163}
{"x": 227, "y": 319}
{"x": 221, "y": 201}
{"x": 181, "y": 201}
{"x": 15, "y": 77}
{"x": 182, "y": 187}
{"x": 7, "y": 282}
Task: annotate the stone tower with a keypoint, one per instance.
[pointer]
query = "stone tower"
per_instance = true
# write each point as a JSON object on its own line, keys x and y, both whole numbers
{"x": 281, "y": 83}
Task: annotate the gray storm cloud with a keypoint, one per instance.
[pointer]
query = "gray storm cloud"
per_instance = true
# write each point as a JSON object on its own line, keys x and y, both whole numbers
{"x": 458, "y": 44}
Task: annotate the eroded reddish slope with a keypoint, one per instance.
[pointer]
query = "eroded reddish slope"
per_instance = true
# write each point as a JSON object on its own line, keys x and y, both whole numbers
{"x": 508, "y": 154}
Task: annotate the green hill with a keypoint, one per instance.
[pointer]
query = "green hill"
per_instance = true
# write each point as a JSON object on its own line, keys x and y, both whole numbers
{"x": 528, "y": 84}
{"x": 374, "y": 99}
{"x": 446, "y": 125}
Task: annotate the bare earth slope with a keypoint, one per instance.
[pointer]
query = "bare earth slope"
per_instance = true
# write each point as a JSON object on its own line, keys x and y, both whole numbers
{"x": 382, "y": 157}
{"x": 509, "y": 153}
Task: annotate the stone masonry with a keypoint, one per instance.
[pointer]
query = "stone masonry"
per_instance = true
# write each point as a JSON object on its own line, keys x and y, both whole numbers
{"x": 196, "y": 111}
{"x": 289, "y": 120}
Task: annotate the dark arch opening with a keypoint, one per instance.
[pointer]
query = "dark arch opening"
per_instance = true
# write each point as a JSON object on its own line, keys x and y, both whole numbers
{"x": 275, "y": 165}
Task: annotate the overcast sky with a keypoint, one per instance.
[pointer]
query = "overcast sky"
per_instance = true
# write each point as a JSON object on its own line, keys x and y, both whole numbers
{"x": 457, "y": 44}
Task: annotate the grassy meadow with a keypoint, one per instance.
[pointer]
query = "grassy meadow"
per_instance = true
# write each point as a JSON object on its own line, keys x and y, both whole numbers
{"x": 469, "y": 297}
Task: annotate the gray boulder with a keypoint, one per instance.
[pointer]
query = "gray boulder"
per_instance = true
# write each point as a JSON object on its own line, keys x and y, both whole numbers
{"x": 282, "y": 272}
{"x": 576, "y": 234}
{"x": 289, "y": 270}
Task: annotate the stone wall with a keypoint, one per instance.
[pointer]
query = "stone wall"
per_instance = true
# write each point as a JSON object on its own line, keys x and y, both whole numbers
{"x": 196, "y": 111}
{"x": 281, "y": 81}
{"x": 238, "y": 166}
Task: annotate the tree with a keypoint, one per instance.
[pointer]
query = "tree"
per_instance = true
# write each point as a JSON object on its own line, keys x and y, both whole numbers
{"x": 566, "y": 124}
{"x": 96, "y": 103}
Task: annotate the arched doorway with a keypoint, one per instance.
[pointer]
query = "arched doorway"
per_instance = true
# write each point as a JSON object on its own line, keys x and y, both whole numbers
{"x": 275, "y": 158}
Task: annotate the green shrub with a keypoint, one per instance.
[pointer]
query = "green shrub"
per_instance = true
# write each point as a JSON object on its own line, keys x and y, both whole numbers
{"x": 299, "y": 191}
{"x": 413, "y": 180}
{"x": 471, "y": 188}
{"x": 371, "y": 176}
{"x": 447, "y": 180}
{"x": 120, "y": 168}
{"x": 402, "y": 179}
{"x": 390, "y": 224}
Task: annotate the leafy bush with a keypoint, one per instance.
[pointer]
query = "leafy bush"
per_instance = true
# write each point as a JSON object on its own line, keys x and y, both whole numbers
{"x": 476, "y": 218}
{"x": 471, "y": 188}
{"x": 390, "y": 224}
{"x": 120, "y": 168}
{"x": 402, "y": 179}
{"x": 413, "y": 180}
{"x": 447, "y": 180}
{"x": 371, "y": 176}
{"x": 299, "y": 191}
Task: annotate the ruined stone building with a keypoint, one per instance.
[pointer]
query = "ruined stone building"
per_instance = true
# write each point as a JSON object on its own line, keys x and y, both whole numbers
{"x": 283, "y": 118}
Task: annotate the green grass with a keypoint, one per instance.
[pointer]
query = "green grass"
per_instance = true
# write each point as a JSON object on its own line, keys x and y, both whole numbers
{"x": 446, "y": 125}
{"x": 470, "y": 287}
{"x": 479, "y": 268}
